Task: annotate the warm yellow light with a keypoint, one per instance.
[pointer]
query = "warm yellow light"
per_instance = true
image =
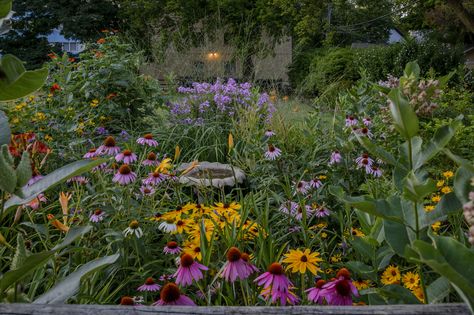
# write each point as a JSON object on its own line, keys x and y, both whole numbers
{"x": 212, "y": 55}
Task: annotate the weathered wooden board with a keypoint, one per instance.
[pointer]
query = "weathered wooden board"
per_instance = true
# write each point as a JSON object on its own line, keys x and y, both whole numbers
{"x": 68, "y": 309}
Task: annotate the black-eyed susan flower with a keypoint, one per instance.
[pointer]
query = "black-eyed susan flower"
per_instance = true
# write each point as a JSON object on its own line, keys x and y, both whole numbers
{"x": 299, "y": 261}
{"x": 391, "y": 275}
{"x": 411, "y": 280}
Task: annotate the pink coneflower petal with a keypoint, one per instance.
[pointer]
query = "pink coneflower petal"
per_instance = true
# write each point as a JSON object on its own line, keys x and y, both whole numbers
{"x": 351, "y": 121}
{"x": 97, "y": 216}
{"x": 171, "y": 295}
{"x": 147, "y": 140}
{"x": 272, "y": 153}
{"x": 172, "y": 248}
{"x": 109, "y": 147}
{"x": 126, "y": 156}
{"x": 91, "y": 154}
{"x": 124, "y": 176}
{"x": 188, "y": 271}
{"x": 149, "y": 286}
{"x": 336, "y": 158}
{"x": 147, "y": 190}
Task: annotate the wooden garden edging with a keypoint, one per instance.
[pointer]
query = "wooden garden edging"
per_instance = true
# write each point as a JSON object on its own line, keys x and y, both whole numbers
{"x": 73, "y": 309}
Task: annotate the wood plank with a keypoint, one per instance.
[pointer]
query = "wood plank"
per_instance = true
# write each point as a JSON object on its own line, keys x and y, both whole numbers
{"x": 72, "y": 309}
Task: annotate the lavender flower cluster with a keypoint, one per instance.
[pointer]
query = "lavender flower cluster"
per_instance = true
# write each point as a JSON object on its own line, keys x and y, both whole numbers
{"x": 216, "y": 101}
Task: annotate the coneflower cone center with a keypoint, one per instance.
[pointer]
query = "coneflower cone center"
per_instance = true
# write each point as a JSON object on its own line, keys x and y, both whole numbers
{"x": 233, "y": 254}
{"x": 127, "y": 152}
{"x": 97, "y": 212}
{"x": 148, "y": 136}
{"x": 275, "y": 269}
{"x": 126, "y": 300}
{"x": 92, "y": 150}
{"x": 134, "y": 224}
{"x": 187, "y": 260}
{"x": 271, "y": 148}
{"x": 172, "y": 245}
{"x": 109, "y": 142}
{"x": 125, "y": 169}
{"x": 320, "y": 283}
{"x": 170, "y": 293}
{"x": 151, "y": 156}
{"x": 343, "y": 287}
{"x": 149, "y": 281}
{"x": 245, "y": 257}
{"x": 343, "y": 272}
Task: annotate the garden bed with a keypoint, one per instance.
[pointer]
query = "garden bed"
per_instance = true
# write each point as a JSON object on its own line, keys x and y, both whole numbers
{"x": 16, "y": 309}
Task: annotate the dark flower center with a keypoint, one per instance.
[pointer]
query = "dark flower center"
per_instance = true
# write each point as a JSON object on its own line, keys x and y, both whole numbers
{"x": 149, "y": 281}
{"x": 320, "y": 283}
{"x": 245, "y": 257}
{"x": 275, "y": 269}
{"x": 127, "y": 152}
{"x": 148, "y": 136}
{"x": 146, "y": 190}
{"x": 172, "y": 245}
{"x": 109, "y": 142}
{"x": 151, "y": 156}
{"x": 365, "y": 130}
{"x": 198, "y": 206}
{"x": 92, "y": 150}
{"x": 365, "y": 161}
{"x": 197, "y": 249}
{"x": 394, "y": 273}
{"x": 271, "y": 148}
{"x": 126, "y": 300}
{"x": 156, "y": 174}
{"x": 300, "y": 185}
{"x": 170, "y": 293}
{"x": 187, "y": 260}
{"x": 134, "y": 224}
{"x": 179, "y": 208}
{"x": 365, "y": 156}
{"x": 180, "y": 223}
{"x": 343, "y": 287}
{"x": 304, "y": 258}
{"x": 226, "y": 205}
{"x": 233, "y": 254}
{"x": 125, "y": 169}
{"x": 97, "y": 212}
{"x": 343, "y": 272}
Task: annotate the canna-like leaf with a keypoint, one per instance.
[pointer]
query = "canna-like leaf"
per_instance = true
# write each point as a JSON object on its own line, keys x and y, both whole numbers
{"x": 462, "y": 183}
{"x": 405, "y": 119}
{"x": 415, "y": 190}
{"x": 5, "y": 132}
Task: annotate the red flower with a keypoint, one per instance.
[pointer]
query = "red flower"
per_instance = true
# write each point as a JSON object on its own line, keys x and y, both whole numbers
{"x": 71, "y": 59}
{"x": 55, "y": 87}
{"x": 52, "y": 56}
{"x": 111, "y": 96}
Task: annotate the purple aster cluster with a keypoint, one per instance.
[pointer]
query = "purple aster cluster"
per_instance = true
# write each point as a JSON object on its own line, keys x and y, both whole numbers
{"x": 206, "y": 101}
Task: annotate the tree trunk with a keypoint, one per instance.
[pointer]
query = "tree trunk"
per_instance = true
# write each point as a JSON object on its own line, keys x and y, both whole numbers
{"x": 466, "y": 17}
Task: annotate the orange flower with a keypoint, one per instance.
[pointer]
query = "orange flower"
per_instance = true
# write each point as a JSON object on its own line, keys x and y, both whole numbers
{"x": 111, "y": 96}
{"x": 71, "y": 59}
{"x": 64, "y": 201}
{"x": 57, "y": 224}
{"x": 55, "y": 87}
{"x": 101, "y": 41}
{"x": 52, "y": 56}
{"x": 99, "y": 54}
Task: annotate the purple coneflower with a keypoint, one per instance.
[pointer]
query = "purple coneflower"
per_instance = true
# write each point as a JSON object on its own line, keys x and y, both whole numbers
{"x": 150, "y": 285}
{"x": 124, "y": 176}
{"x": 375, "y": 171}
{"x": 151, "y": 160}
{"x": 235, "y": 266}
{"x": 109, "y": 147}
{"x": 188, "y": 270}
{"x": 351, "y": 121}
{"x": 275, "y": 283}
{"x": 97, "y": 216}
{"x": 272, "y": 152}
{"x": 250, "y": 268}
{"x": 269, "y": 133}
{"x": 365, "y": 132}
{"x": 340, "y": 290}
{"x": 166, "y": 278}
{"x": 336, "y": 158}
{"x": 172, "y": 248}
{"x": 289, "y": 207}
{"x": 321, "y": 212}
{"x": 314, "y": 294}
{"x": 315, "y": 183}
{"x": 127, "y": 156}
{"x": 298, "y": 214}
{"x": 171, "y": 295}
{"x": 147, "y": 140}
{"x": 364, "y": 160}
{"x": 367, "y": 121}
{"x": 154, "y": 178}
{"x": 147, "y": 190}
{"x": 302, "y": 187}
{"x": 92, "y": 153}
{"x": 99, "y": 167}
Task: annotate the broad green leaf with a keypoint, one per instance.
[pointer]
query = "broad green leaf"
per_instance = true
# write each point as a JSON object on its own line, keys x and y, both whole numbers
{"x": 459, "y": 160}
{"x": 462, "y": 183}
{"x": 405, "y": 119}
{"x": 37, "y": 260}
{"x": 70, "y": 285}
{"x": 438, "y": 290}
{"x": 364, "y": 247}
{"x": 394, "y": 294}
{"x": 448, "y": 204}
{"x": 440, "y": 139}
{"x": 399, "y": 235}
{"x": 415, "y": 190}
{"x": 377, "y": 151}
{"x": 50, "y": 180}
{"x": 363, "y": 270}
{"x": 18, "y": 82}
{"x": 412, "y": 69}
{"x": 5, "y": 8}
{"x": 451, "y": 260}
{"x": 5, "y": 132}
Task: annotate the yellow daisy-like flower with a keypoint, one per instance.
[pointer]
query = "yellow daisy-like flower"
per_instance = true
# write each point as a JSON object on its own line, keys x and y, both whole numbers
{"x": 440, "y": 183}
{"x": 322, "y": 177}
{"x": 165, "y": 166}
{"x": 336, "y": 258}
{"x": 448, "y": 174}
{"x": 446, "y": 190}
{"x": 357, "y": 232}
{"x": 420, "y": 295}
{"x": 94, "y": 103}
{"x": 183, "y": 225}
{"x": 329, "y": 271}
{"x": 299, "y": 261}
{"x": 198, "y": 210}
{"x": 436, "y": 226}
{"x": 391, "y": 275}
{"x": 195, "y": 230}
{"x": 193, "y": 249}
{"x": 222, "y": 208}
{"x": 411, "y": 280}
{"x": 436, "y": 198}
{"x": 429, "y": 208}
{"x": 324, "y": 235}
{"x": 361, "y": 284}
